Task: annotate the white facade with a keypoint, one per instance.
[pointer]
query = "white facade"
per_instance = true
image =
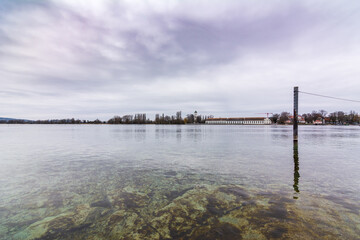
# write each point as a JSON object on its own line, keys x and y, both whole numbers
{"x": 238, "y": 121}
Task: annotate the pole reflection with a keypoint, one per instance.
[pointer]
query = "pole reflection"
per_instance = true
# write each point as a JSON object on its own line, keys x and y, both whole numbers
{"x": 296, "y": 170}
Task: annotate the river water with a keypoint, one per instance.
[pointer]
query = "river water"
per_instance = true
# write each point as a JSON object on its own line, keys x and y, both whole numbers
{"x": 179, "y": 182}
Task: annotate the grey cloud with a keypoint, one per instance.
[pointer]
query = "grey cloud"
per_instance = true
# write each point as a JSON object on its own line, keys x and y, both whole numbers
{"x": 120, "y": 56}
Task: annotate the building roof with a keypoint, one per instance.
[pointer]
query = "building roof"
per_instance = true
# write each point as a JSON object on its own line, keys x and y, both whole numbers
{"x": 237, "y": 119}
{"x": 299, "y": 117}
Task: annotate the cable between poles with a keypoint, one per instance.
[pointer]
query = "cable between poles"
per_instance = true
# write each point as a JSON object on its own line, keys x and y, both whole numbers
{"x": 319, "y": 95}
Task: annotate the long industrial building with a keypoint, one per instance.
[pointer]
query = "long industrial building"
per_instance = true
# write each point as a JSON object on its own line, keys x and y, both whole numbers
{"x": 239, "y": 121}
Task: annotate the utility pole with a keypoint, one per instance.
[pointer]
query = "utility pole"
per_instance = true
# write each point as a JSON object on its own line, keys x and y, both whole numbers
{"x": 296, "y": 101}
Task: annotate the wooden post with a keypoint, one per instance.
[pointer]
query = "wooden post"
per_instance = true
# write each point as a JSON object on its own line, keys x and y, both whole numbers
{"x": 295, "y": 122}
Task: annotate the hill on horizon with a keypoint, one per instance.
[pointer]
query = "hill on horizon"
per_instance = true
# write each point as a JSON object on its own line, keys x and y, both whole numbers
{"x": 9, "y": 119}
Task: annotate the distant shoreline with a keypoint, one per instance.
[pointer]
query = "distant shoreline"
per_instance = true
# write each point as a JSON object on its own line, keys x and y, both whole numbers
{"x": 176, "y": 124}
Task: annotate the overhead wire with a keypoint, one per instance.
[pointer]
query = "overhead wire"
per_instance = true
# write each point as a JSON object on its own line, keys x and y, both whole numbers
{"x": 319, "y": 95}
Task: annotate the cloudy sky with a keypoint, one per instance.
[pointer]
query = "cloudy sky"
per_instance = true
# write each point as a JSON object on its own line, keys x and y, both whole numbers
{"x": 98, "y": 58}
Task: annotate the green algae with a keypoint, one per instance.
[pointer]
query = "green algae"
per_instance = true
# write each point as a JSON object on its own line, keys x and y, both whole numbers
{"x": 159, "y": 204}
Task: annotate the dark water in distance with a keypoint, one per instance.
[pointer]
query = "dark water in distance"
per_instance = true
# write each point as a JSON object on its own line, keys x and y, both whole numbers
{"x": 179, "y": 182}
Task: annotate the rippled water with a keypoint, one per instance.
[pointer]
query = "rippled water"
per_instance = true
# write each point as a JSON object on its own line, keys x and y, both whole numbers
{"x": 179, "y": 182}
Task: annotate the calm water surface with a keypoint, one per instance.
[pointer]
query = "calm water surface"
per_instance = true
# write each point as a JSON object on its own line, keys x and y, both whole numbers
{"x": 179, "y": 182}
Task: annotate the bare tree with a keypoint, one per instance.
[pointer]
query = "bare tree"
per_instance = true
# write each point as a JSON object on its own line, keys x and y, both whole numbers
{"x": 323, "y": 113}
{"x": 284, "y": 116}
{"x": 275, "y": 117}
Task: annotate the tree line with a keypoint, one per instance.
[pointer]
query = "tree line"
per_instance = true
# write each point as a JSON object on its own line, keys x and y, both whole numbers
{"x": 337, "y": 117}
{"x": 159, "y": 119}
{"x": 52, "y": 121}
{"x": 139, "y": 118}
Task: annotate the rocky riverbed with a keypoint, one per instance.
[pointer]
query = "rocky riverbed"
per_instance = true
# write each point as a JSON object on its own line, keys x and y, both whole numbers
{"x": 157, "y": 204}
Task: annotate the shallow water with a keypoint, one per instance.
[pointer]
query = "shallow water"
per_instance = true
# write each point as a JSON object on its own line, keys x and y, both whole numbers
{"x": 179, "y": 182}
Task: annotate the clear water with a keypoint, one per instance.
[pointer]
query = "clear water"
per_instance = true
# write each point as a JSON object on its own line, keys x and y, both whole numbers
{"x": 179, "y": 182}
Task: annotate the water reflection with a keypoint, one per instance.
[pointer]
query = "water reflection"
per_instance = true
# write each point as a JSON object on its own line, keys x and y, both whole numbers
{"x": 296, "y": 170}
{"x": 176, "y": 182}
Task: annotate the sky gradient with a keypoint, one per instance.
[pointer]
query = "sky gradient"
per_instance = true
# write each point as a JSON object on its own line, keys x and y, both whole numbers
{"x": 99, "y": 58}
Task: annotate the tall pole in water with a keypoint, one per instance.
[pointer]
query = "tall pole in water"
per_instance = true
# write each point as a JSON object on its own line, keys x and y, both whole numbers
{"x": 296, "y": 99}
{"x": 296, "y": 171}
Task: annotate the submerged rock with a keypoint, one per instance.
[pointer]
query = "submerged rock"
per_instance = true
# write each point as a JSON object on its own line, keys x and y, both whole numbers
{"x": 57, "y": 227}
{"x": 102, "y": 203}
{"x": 226, "y": 212}
{"x": 128, "y": 200}
{"x": 196, "y": 212}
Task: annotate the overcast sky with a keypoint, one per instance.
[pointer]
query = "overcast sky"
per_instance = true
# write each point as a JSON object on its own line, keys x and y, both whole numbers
{"x": 99, "y": 58}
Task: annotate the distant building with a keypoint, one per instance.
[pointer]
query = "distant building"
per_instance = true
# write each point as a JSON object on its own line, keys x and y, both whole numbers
{"x": 239, "y": 121}
{"x": 318, "y": 121}
{"x": 301, "y": 120}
